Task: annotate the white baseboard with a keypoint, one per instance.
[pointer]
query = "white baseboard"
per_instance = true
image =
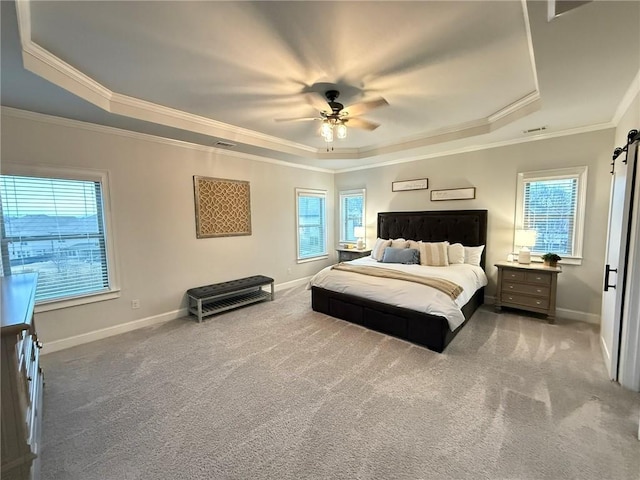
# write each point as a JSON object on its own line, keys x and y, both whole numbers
{"x": 292, "y": 283}
{"x": 62, "y": 344}
{"x": 562, "y": 313}
{"x": 593, "y": 318}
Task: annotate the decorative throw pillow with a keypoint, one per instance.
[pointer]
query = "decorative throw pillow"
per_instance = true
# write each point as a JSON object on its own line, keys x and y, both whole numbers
{"x": 408, "y": 256}
{"x": 455, "y": 253}
{"x": 378, "y": 248}
{"x": 434, "y": 254}
{"x": 413, "y": 244}
{"x": 399, "y": 243}
{"x": 472, "y": 255}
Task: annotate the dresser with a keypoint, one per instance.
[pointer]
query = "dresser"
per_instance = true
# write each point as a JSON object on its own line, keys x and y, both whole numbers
{"x": 529, "y": 287}
{"x": 22, "y": 379}
{"x": 346, "y": 254}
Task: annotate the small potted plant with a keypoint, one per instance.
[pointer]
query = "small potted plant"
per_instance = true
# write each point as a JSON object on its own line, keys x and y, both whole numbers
{"x": 550, "y": 259}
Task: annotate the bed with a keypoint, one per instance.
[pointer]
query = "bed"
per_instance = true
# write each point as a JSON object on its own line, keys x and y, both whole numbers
{"x": 433, "y": 331}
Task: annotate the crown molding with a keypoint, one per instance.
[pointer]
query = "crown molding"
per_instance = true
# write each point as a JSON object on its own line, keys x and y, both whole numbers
{"x": 476, "y": 148}
{"x": 65, "y": 122}
{"x": 92, "y": 127}
{"x": 43, "y": 63}
{"x": 518, "y": 109}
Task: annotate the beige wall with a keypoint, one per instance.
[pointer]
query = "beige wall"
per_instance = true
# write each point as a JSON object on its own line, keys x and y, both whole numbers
{"x": 630, "y": 120}
{"x": 493, "y": 173}
{"x": 159, "y": 258}
{"x": 158, "y": 255}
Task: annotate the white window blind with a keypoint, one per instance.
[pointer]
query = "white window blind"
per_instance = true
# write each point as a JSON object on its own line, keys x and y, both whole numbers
{"x": 552, "y": 203}
{"x": 311, "y": 223}
{"x": 55, "y": 227}
{"x": 352, "y": 210}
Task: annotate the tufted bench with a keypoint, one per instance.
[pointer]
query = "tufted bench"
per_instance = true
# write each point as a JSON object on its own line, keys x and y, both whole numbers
{"x": 218, "y": 297}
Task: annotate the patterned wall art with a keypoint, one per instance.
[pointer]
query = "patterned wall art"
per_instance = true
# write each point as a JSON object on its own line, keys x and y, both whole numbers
{"x": 223, "y": 207}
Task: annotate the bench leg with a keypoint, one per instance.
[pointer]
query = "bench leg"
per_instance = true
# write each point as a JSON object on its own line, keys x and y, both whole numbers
{"x": 199, "y": 310}
{"x": 273, "y": 295}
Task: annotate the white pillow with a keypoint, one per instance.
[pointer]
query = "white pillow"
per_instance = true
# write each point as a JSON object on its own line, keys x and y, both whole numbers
{"x": 472, "y": 255}
{"x": 413, "y": 244}
{"x": 399, "y": 243}
{"x": 378, "y": 249}
{"x": 434, "y": 254}
{"x": 455, "y": 252}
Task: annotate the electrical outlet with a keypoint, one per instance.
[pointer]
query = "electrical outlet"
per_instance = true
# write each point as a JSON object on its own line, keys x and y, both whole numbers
{"x": 135, "y": 303}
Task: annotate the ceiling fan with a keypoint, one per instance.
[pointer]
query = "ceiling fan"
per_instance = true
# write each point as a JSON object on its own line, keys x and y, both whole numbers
{"x": 337, "y": 116}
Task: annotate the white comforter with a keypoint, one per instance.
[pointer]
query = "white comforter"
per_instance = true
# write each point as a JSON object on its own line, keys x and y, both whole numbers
{"x": 411, "y": 295}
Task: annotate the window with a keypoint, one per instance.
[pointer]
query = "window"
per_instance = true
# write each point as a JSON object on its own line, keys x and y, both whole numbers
{"x": 57, "y": 227}
{"x": 552, "y": 202}
{"x": 352, "y": 210}
{"x": 311, "y": 223}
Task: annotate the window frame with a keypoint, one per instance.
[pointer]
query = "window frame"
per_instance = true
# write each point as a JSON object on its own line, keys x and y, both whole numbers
{"x": 101, "y": 176}
{"x": 309, "y": 192}
{"x": 578, "y": 173}
{"x": 341, "y": 196}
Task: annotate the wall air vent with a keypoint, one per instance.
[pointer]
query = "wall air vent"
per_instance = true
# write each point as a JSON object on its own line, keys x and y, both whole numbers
{"x": 534, "y": 130}
{"x": 224, "y": 144}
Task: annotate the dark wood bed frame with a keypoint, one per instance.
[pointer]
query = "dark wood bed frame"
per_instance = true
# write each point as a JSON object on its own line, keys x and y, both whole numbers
{"x": 468, "y": 227}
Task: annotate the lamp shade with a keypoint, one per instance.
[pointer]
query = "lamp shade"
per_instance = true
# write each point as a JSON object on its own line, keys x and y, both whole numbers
{"x": 525, "y": 238}
{"x": 359, "y": 234}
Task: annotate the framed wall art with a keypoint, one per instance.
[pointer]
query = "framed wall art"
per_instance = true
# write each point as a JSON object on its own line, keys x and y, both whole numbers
{"x": 405, "y": 185}
{"x": 468, "y": 193}
{"x": 223, "y": 207}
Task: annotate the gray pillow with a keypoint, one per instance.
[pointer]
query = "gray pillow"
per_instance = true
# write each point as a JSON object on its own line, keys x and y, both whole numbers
{"x": 407, "y": 256}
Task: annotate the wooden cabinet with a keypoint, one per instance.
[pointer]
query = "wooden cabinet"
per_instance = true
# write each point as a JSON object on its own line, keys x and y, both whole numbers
{"x": 22, "y": 379}
{"x": 529, "y": 287}
{"x": 346, "y": 254}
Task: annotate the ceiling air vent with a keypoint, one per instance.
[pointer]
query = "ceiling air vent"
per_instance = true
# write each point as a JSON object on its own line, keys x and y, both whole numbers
{"x": 224, "y": 144}
{"x": 534, "y": 130}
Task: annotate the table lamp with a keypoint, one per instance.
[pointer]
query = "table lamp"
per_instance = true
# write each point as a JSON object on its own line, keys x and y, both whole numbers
{"x": 525, "y": 239}
{"x": 358, "y": 232}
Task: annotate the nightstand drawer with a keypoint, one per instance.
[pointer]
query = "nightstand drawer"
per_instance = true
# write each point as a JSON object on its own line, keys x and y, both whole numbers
{"x": 536, "y": 290}
{"x": 515, "y": 275}
{"x": 527, "y": 287}
{"x": 538, "y": 278}
{"x": 523, "y": 300}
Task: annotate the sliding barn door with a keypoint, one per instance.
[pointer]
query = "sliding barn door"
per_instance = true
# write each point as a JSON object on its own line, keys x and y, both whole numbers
{"x": 615, "y": 263}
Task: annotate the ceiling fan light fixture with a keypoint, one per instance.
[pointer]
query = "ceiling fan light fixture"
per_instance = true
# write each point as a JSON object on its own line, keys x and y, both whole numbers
{"x": 341, "y": 130}
{"x": 327, "y": 131}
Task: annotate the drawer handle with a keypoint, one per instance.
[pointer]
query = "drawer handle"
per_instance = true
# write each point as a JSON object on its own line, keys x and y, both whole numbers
{"x": 510, "y": 286}
{"x": 512, "y": 275}
{"x": 510, "y": 298}
{"x": 538, "y": 290}
{"x": 537, "y": 302}
{"x": 538, "y": 278}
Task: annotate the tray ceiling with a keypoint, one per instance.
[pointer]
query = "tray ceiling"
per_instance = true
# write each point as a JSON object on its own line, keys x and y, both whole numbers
{"x": 455, "y": 74}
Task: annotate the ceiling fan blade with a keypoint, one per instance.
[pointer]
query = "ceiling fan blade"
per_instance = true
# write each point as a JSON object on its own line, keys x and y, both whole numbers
{"x": 362, "y": 107}
{"x": 296, "y": 119}
{"x": 361, "y": 123}
{"x": 317, "y": 101}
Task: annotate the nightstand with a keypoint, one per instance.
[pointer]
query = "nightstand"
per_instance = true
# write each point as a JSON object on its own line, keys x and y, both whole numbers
{"x": 529, "y": 287}
{"x": 346, "y": 254}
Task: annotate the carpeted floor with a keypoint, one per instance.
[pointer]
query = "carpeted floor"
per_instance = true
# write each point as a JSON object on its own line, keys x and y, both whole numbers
{"x": 277, "y": 391}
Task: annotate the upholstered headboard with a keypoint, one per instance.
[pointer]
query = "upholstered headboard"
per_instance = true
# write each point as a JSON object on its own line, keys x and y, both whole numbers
{"x": 468, "y": 227}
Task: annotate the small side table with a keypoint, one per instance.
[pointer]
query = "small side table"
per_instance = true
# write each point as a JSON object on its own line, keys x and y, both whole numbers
{"x": 346, "y": 254}
{"x": 529, "y": 287}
